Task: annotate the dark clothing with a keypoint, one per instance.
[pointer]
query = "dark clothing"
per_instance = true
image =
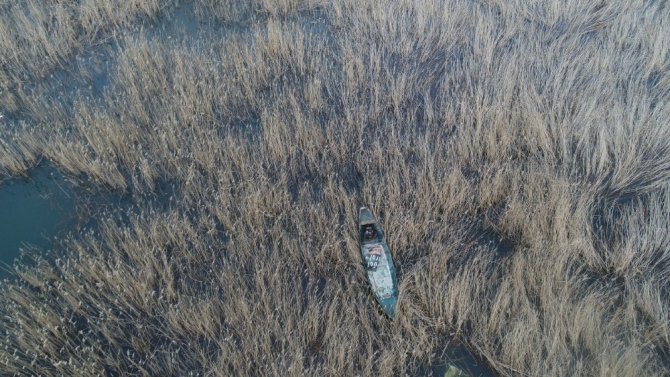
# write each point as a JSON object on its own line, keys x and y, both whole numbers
{"x": 369, "y": 233}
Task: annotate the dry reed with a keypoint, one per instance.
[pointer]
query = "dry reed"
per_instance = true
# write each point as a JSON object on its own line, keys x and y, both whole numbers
{"x": 516, "y": 153}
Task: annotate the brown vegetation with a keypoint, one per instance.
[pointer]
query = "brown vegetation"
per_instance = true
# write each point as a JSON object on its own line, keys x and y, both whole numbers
{"x": 517, "y": 154}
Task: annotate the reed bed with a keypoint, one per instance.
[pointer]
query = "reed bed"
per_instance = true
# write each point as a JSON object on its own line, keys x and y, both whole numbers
{"x": 516, "y": 154}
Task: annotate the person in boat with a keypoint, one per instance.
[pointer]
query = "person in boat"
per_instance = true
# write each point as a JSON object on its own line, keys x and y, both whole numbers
{"x": 369, "y": 232}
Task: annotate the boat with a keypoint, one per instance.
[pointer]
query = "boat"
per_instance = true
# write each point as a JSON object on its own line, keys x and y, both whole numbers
{"x": 378, "y": 262}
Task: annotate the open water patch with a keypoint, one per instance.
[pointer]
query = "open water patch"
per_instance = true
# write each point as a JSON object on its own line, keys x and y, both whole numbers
{"x": 455, "y": 360}
{"x": 34, "y": 211}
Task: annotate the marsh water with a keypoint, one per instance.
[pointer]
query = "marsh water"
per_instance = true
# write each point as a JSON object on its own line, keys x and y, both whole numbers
{"x": 38, "y": 209}
{"x": 33, "y": 211}
{"x": 454, "y": 354}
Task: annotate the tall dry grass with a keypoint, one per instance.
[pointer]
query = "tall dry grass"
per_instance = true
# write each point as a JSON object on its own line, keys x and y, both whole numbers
{"x": 37, "y": 38}
{"x": 516, "y": 154}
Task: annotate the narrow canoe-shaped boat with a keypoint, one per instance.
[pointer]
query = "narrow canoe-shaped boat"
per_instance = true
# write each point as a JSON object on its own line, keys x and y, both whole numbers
{"x": 378, "y": 262}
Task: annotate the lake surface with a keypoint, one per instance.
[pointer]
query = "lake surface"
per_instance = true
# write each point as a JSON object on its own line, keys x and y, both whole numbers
{"x": 33, "y": 211}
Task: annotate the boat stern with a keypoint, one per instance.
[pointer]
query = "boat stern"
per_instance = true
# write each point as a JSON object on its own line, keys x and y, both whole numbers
{"x": 389, "y": 306}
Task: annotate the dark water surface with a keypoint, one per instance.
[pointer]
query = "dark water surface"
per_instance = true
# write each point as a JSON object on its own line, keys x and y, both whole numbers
{"x": 457, "y": 355}
{"x": 33, "y": 211}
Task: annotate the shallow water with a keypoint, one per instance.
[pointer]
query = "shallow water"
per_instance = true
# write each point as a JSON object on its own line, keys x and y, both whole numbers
{"x": 455, "y": 354}
{"x": 33, "y": 211}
